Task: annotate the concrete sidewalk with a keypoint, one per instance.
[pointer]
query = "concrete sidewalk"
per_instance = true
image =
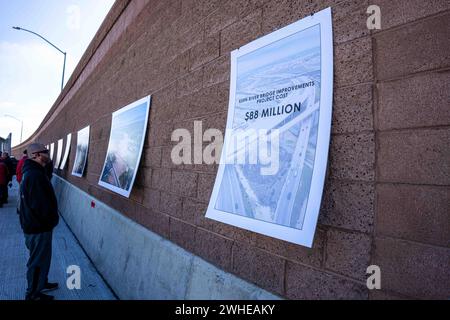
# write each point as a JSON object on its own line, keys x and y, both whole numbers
{"x": 66, "y": 252}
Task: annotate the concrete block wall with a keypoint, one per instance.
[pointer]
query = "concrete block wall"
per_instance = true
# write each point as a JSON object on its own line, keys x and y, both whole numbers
{"x": 386, "y": 197}
{"x": 412, "y": 225}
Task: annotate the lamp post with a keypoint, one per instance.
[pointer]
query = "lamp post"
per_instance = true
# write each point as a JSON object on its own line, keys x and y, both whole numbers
{"x": 21, "y": 124}
{"x": 64, "y": 53}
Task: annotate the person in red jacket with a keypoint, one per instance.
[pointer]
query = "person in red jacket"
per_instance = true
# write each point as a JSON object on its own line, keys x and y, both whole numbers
{"x": 20, "y": 165}
{"x": 19, "y": 175}
{"x": 4, "y": 179}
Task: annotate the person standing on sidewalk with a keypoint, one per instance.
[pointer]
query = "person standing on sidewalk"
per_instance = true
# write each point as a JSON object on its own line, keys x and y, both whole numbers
{"x": 38, "y": 217}
{"x": 11, "y": 172}
{"x": 3, "y": 181}
{"x": 19, "y": 174}
{"x": 20, "y": 166}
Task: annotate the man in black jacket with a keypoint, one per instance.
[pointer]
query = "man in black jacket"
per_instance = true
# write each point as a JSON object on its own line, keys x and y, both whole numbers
{"x": 38, "y": 217}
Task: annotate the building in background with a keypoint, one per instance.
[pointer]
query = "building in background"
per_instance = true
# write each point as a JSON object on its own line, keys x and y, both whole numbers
{"x": 5, "y": 144}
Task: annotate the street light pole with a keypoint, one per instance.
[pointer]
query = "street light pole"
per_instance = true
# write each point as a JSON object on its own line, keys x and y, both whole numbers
{"x": 64, "y": 53}
{"x": 21, "y": 124}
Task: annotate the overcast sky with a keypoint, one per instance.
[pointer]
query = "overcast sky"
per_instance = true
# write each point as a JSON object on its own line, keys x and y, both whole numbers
{"x": 31, "y": 69}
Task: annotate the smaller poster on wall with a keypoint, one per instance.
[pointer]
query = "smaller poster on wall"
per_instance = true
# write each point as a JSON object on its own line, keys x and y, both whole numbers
{"x": 52, "y": 149}
{"x": 66, "y": 151}
{"x": 126, "y": 141}
{"x": 59, "y": 153}
{"x": 82, "y": 152}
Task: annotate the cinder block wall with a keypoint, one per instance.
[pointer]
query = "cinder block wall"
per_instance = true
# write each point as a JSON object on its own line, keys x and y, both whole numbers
{"x": 387, "y": 194}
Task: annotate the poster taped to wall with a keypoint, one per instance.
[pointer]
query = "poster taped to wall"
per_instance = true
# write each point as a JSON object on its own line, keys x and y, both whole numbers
{"x": 81, "y": 153}
{"x": 66, "y": 152}
{"x": 273, "y": 162}
{"x": 126, "y": 141}
{"x": 52, "y": 148}
{"x": 59, "y": 153}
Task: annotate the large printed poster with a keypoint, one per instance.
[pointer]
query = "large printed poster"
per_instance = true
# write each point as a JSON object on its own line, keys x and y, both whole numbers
{"x": 273, "y": 162}
{"x": 126, "y": 141}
